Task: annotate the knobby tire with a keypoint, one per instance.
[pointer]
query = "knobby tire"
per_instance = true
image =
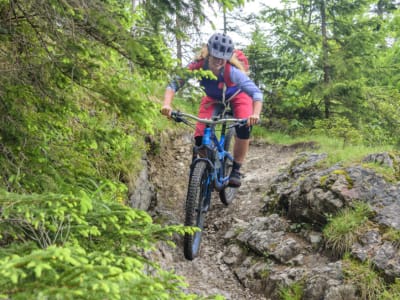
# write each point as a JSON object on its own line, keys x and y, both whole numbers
{"x": 228, "y": 193}
{"x": 198, "y": 192}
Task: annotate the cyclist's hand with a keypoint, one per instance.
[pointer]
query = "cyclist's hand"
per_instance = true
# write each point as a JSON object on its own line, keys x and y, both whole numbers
{"x": 166, "y": 110}
{"x": 253, "y": 120}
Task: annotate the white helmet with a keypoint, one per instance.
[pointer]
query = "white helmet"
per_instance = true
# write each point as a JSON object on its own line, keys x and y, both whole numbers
{"x": 220, "y": 46}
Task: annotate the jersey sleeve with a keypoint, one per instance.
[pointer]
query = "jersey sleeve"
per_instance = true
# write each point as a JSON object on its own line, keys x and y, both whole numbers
{"x": 244, "y": 83}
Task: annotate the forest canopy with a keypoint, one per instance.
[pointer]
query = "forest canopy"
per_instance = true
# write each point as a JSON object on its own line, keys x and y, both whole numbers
{"x": 326, "y": 63}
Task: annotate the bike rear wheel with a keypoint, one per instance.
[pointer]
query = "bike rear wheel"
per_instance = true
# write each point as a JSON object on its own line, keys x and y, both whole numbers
{"x": 197, "y": 202}
{"x": 228, "y": 193}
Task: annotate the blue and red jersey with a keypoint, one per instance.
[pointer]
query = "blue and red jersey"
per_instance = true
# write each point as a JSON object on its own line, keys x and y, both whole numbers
{"x": 230, "y": 75}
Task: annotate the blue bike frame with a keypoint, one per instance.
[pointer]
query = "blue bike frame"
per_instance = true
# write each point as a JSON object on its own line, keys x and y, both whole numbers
{"x": 211, "y": 142}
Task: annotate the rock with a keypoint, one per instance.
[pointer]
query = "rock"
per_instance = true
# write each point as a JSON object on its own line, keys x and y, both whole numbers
{"x": 143, "y": 192}
{"x": 387, "y": 259}
{"x": 308, "y": 194}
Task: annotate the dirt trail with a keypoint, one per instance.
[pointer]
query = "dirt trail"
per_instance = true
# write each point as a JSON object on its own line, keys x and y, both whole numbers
{"x": 208, "y": 274}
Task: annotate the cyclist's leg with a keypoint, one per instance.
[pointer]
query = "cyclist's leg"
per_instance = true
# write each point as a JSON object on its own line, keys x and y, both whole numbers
{"x": 206, "y": 111}
{"x": 242, "y": 106}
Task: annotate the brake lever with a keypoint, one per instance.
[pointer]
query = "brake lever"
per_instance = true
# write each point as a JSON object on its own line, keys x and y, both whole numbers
{"x": 239, "y": 124}
{"x": 177, "y": 117}
{"x": 243, "y": 122}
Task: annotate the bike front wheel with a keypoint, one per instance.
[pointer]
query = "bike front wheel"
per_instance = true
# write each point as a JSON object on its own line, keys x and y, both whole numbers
{"x": 228, "y": 193}
{"x": 197, "y": 202}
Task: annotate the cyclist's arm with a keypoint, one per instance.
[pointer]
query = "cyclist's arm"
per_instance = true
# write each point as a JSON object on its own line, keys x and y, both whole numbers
{"x": 255, "y": 117}
{"x": 244, "y": 83}
{"x": 250, "y": 88}
{"x": 168, "y": 98}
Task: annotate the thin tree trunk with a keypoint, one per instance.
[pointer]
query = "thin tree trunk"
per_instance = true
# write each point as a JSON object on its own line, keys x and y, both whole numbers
{"x": 178, "y": 42}
{"x": 224, "y": 20}
{"x": 326, "y": 69}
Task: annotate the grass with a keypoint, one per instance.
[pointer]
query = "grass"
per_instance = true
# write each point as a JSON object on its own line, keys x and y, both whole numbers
{"x": 390, "y": 174}
{"x": 343, "y": 230}
{"x": 368, "y": 282}
{"x": 393, "y": 292}
{"x": 333, "y": 147}
{"x": 393, "y": 236}
{"x": 292, "y": 292}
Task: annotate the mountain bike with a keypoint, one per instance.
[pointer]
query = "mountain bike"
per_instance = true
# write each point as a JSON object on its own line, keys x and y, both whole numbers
{"x": 209, "y": 171}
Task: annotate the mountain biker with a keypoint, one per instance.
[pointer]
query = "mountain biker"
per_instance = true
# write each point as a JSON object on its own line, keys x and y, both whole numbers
{"x": 244, "y": 96}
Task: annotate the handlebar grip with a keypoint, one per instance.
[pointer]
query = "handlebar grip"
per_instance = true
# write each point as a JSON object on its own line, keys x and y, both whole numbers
{"x": 174, "y": 113}
{"x": 176, "y": 116}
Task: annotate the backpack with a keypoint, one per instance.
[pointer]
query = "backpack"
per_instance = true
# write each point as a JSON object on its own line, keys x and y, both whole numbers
{"x": 241, "y": 57}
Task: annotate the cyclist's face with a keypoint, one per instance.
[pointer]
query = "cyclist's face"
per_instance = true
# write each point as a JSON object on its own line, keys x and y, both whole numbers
{"x": 216, "y": 64}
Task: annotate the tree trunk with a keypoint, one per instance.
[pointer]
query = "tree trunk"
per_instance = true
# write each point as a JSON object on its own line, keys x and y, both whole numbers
{"x": 325, "y": 63}
{"x": 224, "y": 20}
{"x": 178, "y": 42}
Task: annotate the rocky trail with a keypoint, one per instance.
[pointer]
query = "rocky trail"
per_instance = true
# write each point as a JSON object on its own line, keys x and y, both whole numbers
{"x": 209, "y": 274}
{"x": 247, "y": 253}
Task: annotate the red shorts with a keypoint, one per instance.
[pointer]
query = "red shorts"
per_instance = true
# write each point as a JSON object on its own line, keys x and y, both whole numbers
{"x": 242, "y": 107}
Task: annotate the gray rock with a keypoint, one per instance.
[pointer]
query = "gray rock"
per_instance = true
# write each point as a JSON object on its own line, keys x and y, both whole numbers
{"x": 143, "y": 192}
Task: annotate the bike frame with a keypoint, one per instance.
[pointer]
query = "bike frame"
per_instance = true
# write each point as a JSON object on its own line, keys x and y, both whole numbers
{"x": 214, "y": 146}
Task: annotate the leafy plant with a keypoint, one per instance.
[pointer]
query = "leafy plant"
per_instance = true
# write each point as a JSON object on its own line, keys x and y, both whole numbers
{"x": 72, "y": 273}
{"x": 85, "y": 247}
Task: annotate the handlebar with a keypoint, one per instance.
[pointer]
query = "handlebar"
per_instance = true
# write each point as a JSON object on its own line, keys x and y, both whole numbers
{"x": 179, "y": 116}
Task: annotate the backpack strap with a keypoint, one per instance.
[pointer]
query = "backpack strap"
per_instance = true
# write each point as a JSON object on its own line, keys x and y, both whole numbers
{"x": 227, "y": 75}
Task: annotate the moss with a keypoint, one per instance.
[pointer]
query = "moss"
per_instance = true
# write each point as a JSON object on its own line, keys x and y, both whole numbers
{"x": 323, "y": 179}
{"x": 389, "y": 174}
{"x": 394, "y": 155}
{"x": 346, "y": 176}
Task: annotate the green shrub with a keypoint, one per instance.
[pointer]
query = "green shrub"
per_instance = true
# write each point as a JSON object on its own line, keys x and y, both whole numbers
{"x": 72, "y": 273}
{"x": 338, "y": 127}
{"x": 84, "y": 246}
